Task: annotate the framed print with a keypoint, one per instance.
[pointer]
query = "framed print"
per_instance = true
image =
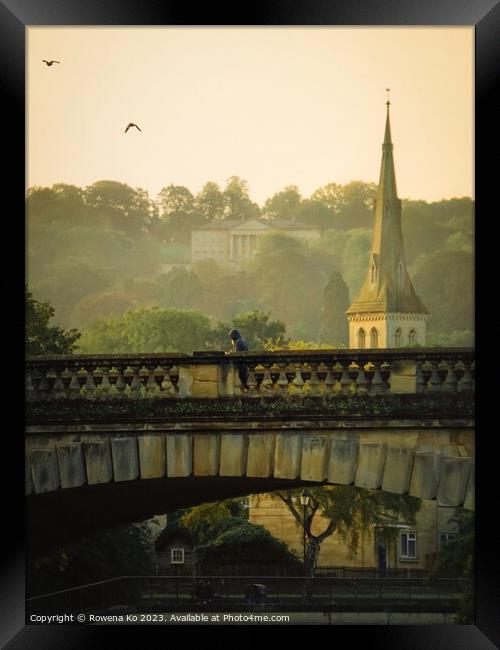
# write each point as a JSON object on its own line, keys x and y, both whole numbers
{"x": 233, "y": 296}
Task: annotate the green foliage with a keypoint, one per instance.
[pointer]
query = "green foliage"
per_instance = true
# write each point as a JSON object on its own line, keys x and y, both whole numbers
{"x": 241, "y": 542}
{"x": 283, "y": 205}
{"x": 210, "y": 202}
{"x": 237, "y": 202}
{"x": 348, "y": 511}
{"x": 144, "y": 330}
{"x": 333, "y": 321}
{"x": 204, "y": 521}
{"x": 122, "y": 550}
{"x": 84, "y": 244}
{"x": 256, "y": 329}
{"x": 40, "y": 337}
{"x": 449, "y": 296}
{"x": 456, "y": 558}
{"x": 179, "y": 288}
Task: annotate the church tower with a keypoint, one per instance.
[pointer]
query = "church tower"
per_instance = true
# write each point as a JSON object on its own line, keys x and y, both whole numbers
{"x": 387, "y": 313}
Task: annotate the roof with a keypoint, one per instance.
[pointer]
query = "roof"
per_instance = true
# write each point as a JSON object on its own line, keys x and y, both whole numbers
{"x": 171, "y": 532}
{"x": 255, "y": 224}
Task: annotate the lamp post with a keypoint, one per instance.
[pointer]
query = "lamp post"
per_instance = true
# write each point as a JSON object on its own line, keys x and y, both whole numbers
{"x": 304, "y": 500}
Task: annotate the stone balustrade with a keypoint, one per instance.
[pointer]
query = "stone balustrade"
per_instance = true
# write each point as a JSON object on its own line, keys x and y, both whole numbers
{"x": 288, "y": 374}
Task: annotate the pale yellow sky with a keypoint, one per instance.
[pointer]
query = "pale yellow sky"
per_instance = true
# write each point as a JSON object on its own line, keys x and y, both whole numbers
{"x": 277, "y": 106}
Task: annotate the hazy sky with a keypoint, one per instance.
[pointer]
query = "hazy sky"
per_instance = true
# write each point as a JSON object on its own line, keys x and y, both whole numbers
{"x": 276, "y": 106}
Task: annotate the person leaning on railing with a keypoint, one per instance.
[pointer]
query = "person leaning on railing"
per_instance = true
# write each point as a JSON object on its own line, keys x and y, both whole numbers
{"x": 239, "y": 344}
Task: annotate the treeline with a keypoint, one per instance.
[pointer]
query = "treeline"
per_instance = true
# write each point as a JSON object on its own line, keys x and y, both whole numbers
{"x": 100, "y": 251}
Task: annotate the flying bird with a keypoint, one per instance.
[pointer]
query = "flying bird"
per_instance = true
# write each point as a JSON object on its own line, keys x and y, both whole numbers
{"x": 131, "y": 124}
{"x": 49, "y": 63}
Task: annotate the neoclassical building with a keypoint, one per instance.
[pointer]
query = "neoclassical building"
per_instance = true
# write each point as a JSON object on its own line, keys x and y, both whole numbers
{"x": 234, "y": 242}
{"x": 387, "y": 313}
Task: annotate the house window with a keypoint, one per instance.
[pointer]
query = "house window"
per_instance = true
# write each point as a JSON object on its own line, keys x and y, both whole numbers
{"x": 412, "y": 337}
{"x": 361, "y": 338}
{"x": 397, "y": 337}
{"x": 177, "y": 556}
{"x": 446, "y": 538}
{"x": 373, "y": 338}
{"x": 408, "y": 546}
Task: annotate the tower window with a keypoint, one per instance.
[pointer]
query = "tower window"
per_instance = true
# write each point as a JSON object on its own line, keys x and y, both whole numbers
{"x": 412, "y": 337}
{"x": 373, "y": 338}
{"x": 397, "y": 337}
{"x": 373, "y": 273}
{"x": 361, "y": 338}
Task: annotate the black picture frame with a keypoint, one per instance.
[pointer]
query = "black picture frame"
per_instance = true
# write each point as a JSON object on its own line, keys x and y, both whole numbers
{"x": 15, "y": 15}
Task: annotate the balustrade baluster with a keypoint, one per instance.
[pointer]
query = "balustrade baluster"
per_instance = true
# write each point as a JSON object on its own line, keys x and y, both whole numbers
{"x": 267, "y": 382}
{"x": 377, "y": 386}
{"x": 43, "y": 385}
{"x": 434, "y": 385}
{"x": 74, "y": 387}
{"x": 282, "y": 380}
{"x": 466, "y": 381}
{"x": 167, "y": 387}
{"x": 298, "y": 382}
{"x": 450, "y": 383}
{"x": 345, "y": 379}
{"x": 105, "y": 385}
{"x": 90, "y": 386}
{"x": 361, "y": 380}
{"x": 329, "y": 380}
{"x": 173, "y": 373}
{"x": 420, "y": 382}
{"x": 151, "y": 385}
{"x": 135, "y": 386}
{"x": 252, "y": 383}
{"x": 120, "y": 384}
{"x": 313, "y": 382}
{"x": 29, "y": 387}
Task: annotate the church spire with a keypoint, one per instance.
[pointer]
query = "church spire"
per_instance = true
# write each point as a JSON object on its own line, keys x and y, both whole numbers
{"x": 387, "y": 287}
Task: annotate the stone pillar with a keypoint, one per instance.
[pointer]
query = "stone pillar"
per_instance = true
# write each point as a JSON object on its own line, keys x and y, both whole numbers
{"x": 403, "y": 377}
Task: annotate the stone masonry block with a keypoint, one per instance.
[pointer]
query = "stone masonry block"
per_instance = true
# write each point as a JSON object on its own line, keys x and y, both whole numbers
{"x": 343, "y": 460}
{"x": 314, "y": 456}
{"x": 260, "y": 455}
{"x": 425, "y": 474}
{"x": 98, "y": 462}
{"x": 71, "y": 467}
{"x": 233, "y": 454}
{"x": 179, "y": 455}
{"x": 453, "y": 481}
{"x": 206, "y": 454}
{"x": 125, "y": 459}
{"x": 287, "y": 455}
{"x": 370, "y": 465}
{"x": 152, "y": 456}
{"x": 44, "y": 470}
{"x": 397, "y": 469}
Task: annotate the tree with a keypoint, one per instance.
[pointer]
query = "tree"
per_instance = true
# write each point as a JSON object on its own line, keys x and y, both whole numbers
{"x": 178, "y": 214}
{"x": 256, "y": 329}
{"x": 210, "y": 202}
{"x": 284, "y": 272}
{"x": 333, "y": 322}
{"x": 283, "y": 205}
{"x": 351, "y": 204}
{"x": 224, "y": 536}
{"x": 119, "y": 206}
{"x": 40, "y": 337}
{"x": 444, "y": 280}
{"x": 121, "y": 550}
{"x": 237, "y": 202}
{"x": 179, "y": 288}
{"x": 315, "y": 214}
{"x": 154, "y": 329}
{"x": 347, "y": 511}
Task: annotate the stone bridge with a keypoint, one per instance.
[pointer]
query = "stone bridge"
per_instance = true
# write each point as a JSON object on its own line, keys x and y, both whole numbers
{"x": 122, "y": 437}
